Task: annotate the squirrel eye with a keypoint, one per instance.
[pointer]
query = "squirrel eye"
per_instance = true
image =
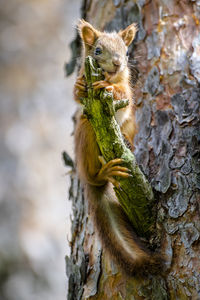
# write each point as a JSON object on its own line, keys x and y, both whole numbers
{"x": 98, "y": 51}
{"x": 127, "y": 53}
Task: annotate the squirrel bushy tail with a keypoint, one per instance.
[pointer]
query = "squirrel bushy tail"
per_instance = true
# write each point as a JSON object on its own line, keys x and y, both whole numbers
{"x": 117, "y": 235}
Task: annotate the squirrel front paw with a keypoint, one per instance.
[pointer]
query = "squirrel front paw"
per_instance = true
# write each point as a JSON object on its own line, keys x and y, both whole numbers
{"x": 110, "y": 169}
{"x": 102, "y": 84}
{"x": 80, "y": 87}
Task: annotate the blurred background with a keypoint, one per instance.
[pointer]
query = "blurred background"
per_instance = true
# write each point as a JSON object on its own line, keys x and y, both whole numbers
{"x": 36, "y": 107}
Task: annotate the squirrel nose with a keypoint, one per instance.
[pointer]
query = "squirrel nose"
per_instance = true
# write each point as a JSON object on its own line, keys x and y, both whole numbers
{"x": 116, "y": 61}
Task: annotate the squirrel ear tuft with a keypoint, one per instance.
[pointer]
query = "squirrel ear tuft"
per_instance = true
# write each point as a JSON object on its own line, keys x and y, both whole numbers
{"x": 87, "y": 32}
{"x": 128, "y": 34}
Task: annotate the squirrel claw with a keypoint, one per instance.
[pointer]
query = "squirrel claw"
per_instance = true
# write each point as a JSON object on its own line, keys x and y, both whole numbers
{"x": 112, "y": 168}
{"x": 80, "y": 83}
{"x": 80, "y": 86}
{"x": 100, "y": 84}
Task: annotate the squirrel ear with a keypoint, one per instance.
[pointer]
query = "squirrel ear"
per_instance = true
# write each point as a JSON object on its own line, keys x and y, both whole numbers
{"x": 87, "y": 32}
{"x": 128, "y": 34}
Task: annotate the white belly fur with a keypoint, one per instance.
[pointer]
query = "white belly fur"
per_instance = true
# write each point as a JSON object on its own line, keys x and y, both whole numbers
{"x": 122, "y": 115}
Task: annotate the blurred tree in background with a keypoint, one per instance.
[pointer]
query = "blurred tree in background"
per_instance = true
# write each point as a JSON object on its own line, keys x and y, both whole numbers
{"x": 166, "y": 54}
{"x": 35, "y": 127}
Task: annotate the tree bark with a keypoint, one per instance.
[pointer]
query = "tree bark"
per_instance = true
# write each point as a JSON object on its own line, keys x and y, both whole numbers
{"x": 167, "y": 94}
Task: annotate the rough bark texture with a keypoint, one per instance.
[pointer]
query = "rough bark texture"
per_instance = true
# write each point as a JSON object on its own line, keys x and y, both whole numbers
{"x": 167, "y": 51}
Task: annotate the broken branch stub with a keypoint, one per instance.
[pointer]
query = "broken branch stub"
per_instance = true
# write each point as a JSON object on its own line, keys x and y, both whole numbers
{"x": 135, "y": 194}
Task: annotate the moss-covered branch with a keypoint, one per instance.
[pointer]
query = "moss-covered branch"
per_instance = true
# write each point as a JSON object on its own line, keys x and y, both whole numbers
{"x": 135, "y": 193}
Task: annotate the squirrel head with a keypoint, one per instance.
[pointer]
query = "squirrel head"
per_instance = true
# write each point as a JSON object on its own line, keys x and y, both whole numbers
{"x": 108, "y": 49}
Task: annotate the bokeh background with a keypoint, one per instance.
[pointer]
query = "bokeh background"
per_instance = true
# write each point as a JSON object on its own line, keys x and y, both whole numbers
{"x": 36, "y": 107}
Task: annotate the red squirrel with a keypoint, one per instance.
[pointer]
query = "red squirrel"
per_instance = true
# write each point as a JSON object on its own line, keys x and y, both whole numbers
{"x": 98, "y": 177}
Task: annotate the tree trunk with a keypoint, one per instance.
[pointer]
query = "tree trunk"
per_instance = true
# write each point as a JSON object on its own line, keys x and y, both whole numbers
{"x": 167, "y": 55}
